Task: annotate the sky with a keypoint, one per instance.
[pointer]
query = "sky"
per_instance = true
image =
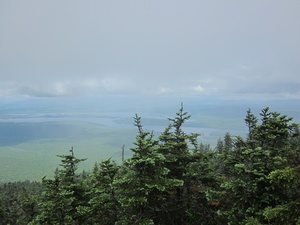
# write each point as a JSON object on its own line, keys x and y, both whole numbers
{"x": 193, "y": 48}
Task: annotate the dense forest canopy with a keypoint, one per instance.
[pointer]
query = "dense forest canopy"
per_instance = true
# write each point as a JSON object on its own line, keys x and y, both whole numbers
{"x": 173, "y": 179}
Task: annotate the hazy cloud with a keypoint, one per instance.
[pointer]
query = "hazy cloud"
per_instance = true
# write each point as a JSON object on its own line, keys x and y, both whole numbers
{"x": 193, "y": 47}
{"x": 199, "y": 88}
{"x": 164, "y": 90}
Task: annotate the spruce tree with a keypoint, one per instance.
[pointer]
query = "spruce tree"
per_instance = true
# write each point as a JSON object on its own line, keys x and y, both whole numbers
{"x": 249, "y": 191}
{"x": 189, "y": 163}
{"x": 62, "y": 195}
{"x": 251, "y": 122}
{"x": 145, "y": 186}
{"x": 103, "y": 207}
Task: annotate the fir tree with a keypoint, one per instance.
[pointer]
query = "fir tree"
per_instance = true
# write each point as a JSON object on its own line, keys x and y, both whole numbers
{"x": 251, "y": 122}
{"x": 145, "y": 186}
{"x": 249, "y": 191}
{"x": 63, "y": 195}
{"x": 103, "y": 207}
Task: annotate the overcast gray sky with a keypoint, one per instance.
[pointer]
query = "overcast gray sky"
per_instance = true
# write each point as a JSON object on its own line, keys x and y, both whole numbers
{"x": 244, "y": 48}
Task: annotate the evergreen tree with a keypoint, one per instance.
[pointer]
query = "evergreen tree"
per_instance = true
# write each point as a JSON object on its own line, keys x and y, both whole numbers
{"x": 286, "y": 211}
{"x": 251, "y": 122}
{"x": 220, "y": 146}
{"x": 248, "y": 188}
{"x": 103, "y": 206}
{"x": 189, "y": 163}
{"x": 275, "y": 130}
{"x": 145, "y": 185}
{"x": 287, "y": 181}
{"x": 228, "y": 142}
{"x": 173, "y": 180}
{"x": 63, "y": 196}
{"x": 19, "y": 202}
{"x": 174, "y": 147}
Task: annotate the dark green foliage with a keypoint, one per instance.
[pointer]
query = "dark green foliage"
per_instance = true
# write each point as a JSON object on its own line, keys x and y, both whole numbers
{"x": 251, "y": 122}
{"x": 103, "y": 205}
{"x": 194, "y": 166}
{"x": 249, "y": 191}
{"x": 145, "y": 186}
{"x": 174, "y": 180}
{"x": 275, "y": 130}
{"x": 63, "y": 196}
{"x": 19, "y": 202}
{"x": 286, "y": 180}
{"x": 220, "y": 146}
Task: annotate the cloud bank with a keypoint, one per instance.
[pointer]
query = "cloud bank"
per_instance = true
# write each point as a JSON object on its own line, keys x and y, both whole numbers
{"x": 191, "y": 48}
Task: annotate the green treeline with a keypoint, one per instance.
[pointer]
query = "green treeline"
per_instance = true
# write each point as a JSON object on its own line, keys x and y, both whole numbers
{"x": 172, "y": 179}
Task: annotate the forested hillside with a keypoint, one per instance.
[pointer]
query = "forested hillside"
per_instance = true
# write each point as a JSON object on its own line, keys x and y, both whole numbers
{"x": 173, "y": 179}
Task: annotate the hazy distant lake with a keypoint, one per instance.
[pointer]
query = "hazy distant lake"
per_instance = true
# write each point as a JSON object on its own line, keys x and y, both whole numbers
{"x": 212, "y": 118}
{"x": 151, "y": 121}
